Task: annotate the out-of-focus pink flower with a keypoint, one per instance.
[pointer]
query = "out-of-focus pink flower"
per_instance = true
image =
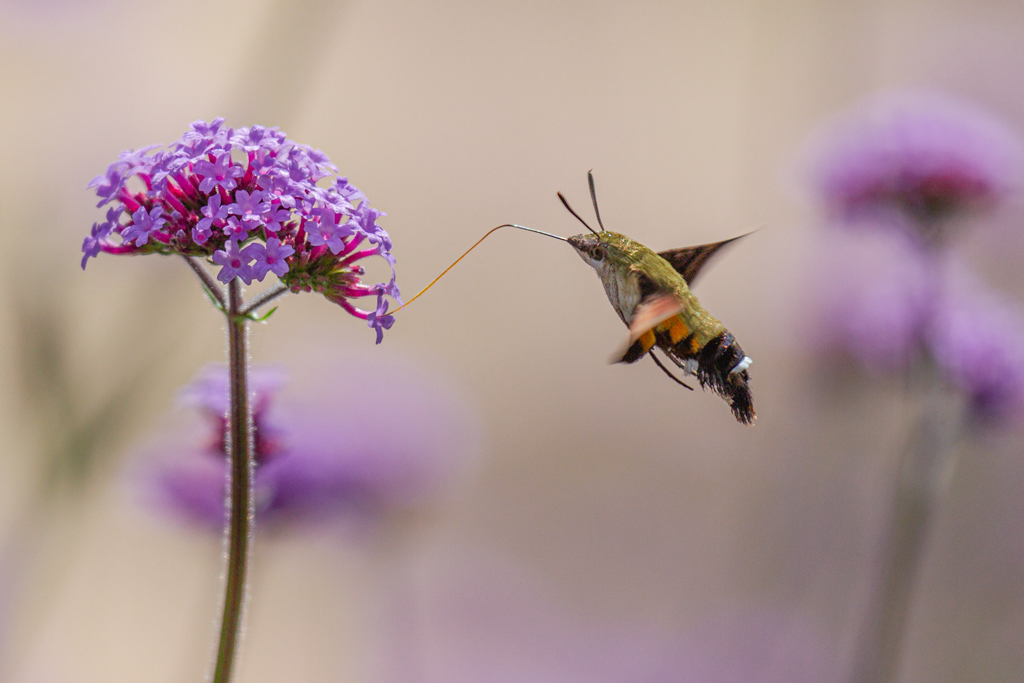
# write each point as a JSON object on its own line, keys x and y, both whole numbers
{"x": 877, "y": 295}
{"x": 887, "y": 300}
{"x": 356, "y": 443}
{"x": 891, "y": 173}
{"x": 913, "y": 159}
{"x": 978, "y": 340}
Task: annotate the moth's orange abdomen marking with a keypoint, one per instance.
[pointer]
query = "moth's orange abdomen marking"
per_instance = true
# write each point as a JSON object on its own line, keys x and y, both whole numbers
{"x": 677, "y": 329}
{"x": 694, "y": 346}
{"x": 647, "y": 340}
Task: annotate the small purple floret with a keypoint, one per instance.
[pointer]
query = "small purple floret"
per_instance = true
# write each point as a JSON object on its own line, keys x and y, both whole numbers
{"x": 274, "y": 219}
{"x": 350, "y": 192}
{"x": 235, "y": 229}
{"x": 97, "y": 238}
{"x": 249, "y": 208}
{"x": 213, "y": 211}
{"x": 280, "y": 186}
{"x": 234, "y": 262}
{"x": 108, "y": 184}
{"x": 220, "y": 173}
{"x": 326, "y": 230}
{"x": 93, "y": 244}
{"x": 378, "y": 319}
{"x": 207, "y": 130}
{"x": 270, "y": 258}
{"x": 143, "y": 223}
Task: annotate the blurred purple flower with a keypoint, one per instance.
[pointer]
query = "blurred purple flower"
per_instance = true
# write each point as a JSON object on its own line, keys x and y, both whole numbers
{"x": 888, "y": 301}
{"x": 913, "y": 155}
{"x": 892, "y": 171}
{"x": 323, "y": 454}
{"x": 978, "y": 340}
{"x": 210, "y": 390}
{"x": 878, "y": 297}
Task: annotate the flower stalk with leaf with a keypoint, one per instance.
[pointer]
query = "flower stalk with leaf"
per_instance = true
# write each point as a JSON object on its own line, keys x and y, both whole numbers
{"x": 251, "y": 202}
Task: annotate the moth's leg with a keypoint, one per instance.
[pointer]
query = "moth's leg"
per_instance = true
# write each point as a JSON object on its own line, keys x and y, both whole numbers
{"x": 678, "y": 352}
{"x": 666, "y": 371}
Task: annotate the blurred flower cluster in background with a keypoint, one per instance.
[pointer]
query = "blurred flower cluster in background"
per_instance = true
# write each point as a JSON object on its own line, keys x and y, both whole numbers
{"x": 325, "y": 453}
{"x": 904, "y": 175}
{"x": 482, "y": 497}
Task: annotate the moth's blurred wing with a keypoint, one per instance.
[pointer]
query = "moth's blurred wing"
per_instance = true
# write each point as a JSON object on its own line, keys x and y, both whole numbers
{"x": 651, "y": 312}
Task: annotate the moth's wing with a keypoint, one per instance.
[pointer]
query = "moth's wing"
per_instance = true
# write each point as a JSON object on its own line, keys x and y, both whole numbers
{"x": 689, "y": 261}
{"x": 652, "y": 311}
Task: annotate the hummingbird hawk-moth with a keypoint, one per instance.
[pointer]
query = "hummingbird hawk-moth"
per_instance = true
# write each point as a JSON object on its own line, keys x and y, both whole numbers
{"x": 651, "y": 294}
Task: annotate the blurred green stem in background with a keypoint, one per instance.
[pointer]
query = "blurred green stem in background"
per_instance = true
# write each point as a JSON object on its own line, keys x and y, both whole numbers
{"x": 925, "y": 472}
{"x": 73, "y": 441}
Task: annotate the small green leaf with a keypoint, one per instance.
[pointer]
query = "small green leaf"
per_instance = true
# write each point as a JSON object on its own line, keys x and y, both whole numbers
{"x": 262, "y": 318}
{"x": 210, "y": 295}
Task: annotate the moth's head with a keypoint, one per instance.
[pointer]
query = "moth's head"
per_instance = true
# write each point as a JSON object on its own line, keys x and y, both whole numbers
{"x": 597, "y": 249}
{"x": 590, "y": 247}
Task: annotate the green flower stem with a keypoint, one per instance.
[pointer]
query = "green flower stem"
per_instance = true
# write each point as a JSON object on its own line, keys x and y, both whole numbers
{"x": 921, "y": 485}
{"x": 209, "y": 284}
{"x": 239, "y": 448}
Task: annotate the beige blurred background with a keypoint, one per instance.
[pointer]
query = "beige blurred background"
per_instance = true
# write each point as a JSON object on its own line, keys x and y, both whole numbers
{"x": 605, "y": 499}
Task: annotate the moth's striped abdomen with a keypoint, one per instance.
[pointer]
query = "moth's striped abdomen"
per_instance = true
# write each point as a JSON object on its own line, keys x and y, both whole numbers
{"x": 719, "y": 364}
{"x": 722, "y": 365}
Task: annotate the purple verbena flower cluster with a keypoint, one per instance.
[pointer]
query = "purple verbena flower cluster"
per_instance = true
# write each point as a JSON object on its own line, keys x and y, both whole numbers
{"x": 914, "y": 158}
{"x": 252, "y": 201}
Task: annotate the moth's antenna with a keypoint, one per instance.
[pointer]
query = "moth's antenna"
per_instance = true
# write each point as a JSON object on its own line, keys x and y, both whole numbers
{"x": 505, "y": 225}
{"x": 593, "y": 197}
{"x": 560, "y": 196}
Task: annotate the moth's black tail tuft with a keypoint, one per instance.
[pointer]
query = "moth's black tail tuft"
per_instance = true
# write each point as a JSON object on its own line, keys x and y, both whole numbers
{"x": 722, "y": 366}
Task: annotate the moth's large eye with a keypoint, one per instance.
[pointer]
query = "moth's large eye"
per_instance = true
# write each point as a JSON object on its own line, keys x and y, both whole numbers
{"x": 597, "y": 253}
